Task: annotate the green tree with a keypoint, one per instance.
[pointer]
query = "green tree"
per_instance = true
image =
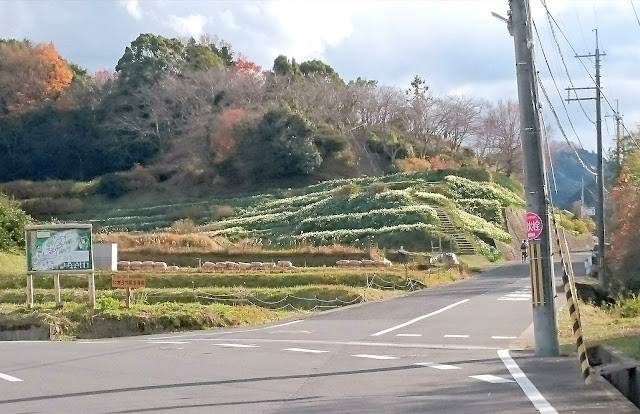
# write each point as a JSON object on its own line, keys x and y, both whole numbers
{"x": 201, "y": 57}
{"x": 317, "y": 68}
{"x": 281, "y": 145}
{"x": 149, "y": 57}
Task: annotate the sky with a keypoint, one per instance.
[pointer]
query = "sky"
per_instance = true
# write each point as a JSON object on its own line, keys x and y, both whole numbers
{"x": 456, "y": 46}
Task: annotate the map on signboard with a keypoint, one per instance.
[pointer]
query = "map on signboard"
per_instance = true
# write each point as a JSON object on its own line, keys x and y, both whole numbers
{"x": 62, "y": 249}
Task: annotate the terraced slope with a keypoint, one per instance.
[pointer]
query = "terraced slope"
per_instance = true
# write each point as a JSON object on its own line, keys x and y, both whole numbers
{"x": 412, "y": 210}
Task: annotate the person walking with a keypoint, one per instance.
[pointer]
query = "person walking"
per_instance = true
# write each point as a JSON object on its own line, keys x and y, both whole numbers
{"x": 524, "y": 249}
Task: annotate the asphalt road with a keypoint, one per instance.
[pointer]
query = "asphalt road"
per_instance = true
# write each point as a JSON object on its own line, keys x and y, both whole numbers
{"x": 443, "y": 350}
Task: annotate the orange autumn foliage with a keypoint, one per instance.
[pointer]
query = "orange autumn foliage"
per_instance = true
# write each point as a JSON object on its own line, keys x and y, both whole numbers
{"x": 60, "y": 75}
{"x": 223, "y": 142}
{"x": 30, "y": 76}
{"x": 246, "y": 66}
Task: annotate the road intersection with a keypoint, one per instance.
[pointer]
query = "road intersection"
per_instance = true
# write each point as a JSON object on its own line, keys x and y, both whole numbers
{"x": 452, "y": 349}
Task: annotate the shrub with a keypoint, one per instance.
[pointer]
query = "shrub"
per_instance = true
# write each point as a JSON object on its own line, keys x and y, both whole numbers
{"x": 464, "y": 188}
{"x": 51, "y": 207}
{"x": 184, "y": 226}
{"x": 112, "y": 185}
{"x": 12, "y": 223}
{"x": 221, "y": 211}
{"x": 490, "y": 210}
{"x": 346, "y": 190}
{"x": 193, "y": 212}
{"x": 413, "y": 164}
{"x": 377, "y": 187}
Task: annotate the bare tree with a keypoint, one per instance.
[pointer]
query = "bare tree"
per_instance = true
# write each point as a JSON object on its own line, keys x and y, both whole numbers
{"x": 459, "y": 116}
{"x": 498, "y": 137}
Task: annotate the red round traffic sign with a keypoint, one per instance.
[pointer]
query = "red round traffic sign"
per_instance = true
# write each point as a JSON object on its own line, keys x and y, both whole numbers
{"x": 534, "y": 226}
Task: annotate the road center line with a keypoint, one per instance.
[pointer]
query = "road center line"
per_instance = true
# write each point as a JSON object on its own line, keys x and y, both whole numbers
{"x": 409, "y": 335}
{"x": 419, "y": 318}
{"x": 503, "y": 337}
{"x": 530, "y": 390}
{"x": 9, "y": 378}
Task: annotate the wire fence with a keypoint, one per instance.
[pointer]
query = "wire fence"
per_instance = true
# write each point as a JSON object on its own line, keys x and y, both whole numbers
{"x": 286, "y": 302}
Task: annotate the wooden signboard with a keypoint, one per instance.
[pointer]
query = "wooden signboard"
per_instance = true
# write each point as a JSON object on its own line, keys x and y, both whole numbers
{"x": 127, "y": 282}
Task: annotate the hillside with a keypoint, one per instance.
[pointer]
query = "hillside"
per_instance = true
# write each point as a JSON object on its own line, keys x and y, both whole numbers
{"x": 462, "y": 209}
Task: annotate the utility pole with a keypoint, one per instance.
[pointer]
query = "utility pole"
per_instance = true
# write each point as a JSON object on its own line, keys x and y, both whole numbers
{"x": 617, "y": 116}
{"x": 538, "y": 229}
{"x": 600, "y": 173}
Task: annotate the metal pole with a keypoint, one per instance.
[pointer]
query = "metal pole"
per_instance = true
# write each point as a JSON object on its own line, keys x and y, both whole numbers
{"x": 544, "y": 315}
{"x": 600, "y": 179}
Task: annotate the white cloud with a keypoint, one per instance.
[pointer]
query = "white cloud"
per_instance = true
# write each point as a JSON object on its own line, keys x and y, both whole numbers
{"x": 309, "y": 28}
{"x": 133, "y": 8}
{"x": 229, "y": 19}
{"x": 190, "y": 26}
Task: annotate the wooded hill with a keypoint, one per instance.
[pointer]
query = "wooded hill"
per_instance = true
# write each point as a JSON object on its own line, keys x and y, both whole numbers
{"x": 195, "y": 112}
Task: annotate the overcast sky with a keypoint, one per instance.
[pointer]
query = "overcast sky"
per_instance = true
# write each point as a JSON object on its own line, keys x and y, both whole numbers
{"x": 455, "y": 45}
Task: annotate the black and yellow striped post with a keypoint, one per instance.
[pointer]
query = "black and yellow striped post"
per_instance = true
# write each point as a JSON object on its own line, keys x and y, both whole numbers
{"x": 574, "y": 310}
{"x": 537, "y": 282}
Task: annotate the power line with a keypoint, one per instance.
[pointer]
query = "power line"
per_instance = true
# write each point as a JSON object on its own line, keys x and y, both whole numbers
{"x": 634, "y": 11}
{"x": 553, "y": 110}
{"x": 566, "y": 110}
{"x": 566, "y": 69}
{"x": 544, "y": 3}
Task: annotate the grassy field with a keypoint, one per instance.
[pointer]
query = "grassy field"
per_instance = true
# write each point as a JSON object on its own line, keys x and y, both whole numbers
{"x": 618, "y": 326}
{"x": 191, "y": 299}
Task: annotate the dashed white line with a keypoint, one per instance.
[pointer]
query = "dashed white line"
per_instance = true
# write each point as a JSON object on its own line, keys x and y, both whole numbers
{"x": 456, "y": 336}
{"x": 409, "y": 335}
{"x": 491, "y": 378}
{"x": 419, "y": 318}
{"x": 9, "y": 378}
{"x": 436, "y": 366}
{"x": 515, "y": 299}
{"x": 530, "y": 390}
{"x": 311, "y": 351}
{"x": 503, "y": 337}
{"x": 374, "y": 356}
{"x": 238, "y": 345}
{"x": 167, "y": 342}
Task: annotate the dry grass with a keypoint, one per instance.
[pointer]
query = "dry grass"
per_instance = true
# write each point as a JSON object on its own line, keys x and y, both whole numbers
{"x": 603, "y": 326}
{"x": 162, "y": 242}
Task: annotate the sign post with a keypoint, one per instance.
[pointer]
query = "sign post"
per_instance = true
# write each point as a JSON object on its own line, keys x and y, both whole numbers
{"x": 128, "y": 283}
{"x": 59, "y": 249}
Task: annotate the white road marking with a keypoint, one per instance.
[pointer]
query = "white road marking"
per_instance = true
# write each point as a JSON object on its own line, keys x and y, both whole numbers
{"x": 238, "y": 345}
{"x": 503, "y": 337}
{"x": 409, "y": 335}
{"x": 515, "y": 298}
{"x": 437, "y": 366}
{"x": 491, "y": 378}
{"x": 167, "y": 342}
{"x": 9, "y": 378}
{"x": 359, "y": 343}
{"x": 419, "y": 318}
{"x": 374, "y": 356}
{"x": 189, "y": 335}
{"x": 311, "y": 351}
{"x": 530, "y": 390}
{"x": 456, "y": 336}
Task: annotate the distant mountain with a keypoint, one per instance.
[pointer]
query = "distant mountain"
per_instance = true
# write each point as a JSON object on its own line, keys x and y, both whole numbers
{"x": 569, "y": 174}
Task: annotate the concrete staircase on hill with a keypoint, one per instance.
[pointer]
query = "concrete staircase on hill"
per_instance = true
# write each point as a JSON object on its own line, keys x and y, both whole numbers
{"x": 464, "y": 245}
